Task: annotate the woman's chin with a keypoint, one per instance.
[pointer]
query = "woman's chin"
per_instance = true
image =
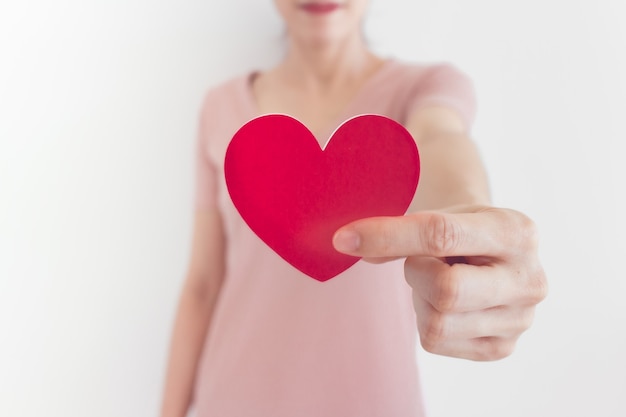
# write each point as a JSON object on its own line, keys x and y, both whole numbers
{"x": 321, "y": 38}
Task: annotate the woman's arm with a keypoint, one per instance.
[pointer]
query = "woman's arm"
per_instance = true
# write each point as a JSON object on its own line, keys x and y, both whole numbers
{"x": 198, "y": 297}
{"x": 451, "y": 170}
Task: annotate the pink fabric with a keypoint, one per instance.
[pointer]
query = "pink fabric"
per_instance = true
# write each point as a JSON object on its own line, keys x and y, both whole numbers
{"x": 282, "y": 344}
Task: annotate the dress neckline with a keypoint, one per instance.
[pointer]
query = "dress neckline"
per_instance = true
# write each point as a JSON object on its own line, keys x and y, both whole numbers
{"x": 252, "y": 108}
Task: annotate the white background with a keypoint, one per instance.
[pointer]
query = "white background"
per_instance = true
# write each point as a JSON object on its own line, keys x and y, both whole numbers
{"x": 98, "y": 106}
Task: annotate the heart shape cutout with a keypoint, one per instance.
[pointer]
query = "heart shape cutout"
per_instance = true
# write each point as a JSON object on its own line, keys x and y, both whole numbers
{"x": 295, "y": 195}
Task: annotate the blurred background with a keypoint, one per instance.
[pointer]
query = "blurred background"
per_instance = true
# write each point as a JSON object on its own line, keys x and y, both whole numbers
{"x": 98, "y": 110}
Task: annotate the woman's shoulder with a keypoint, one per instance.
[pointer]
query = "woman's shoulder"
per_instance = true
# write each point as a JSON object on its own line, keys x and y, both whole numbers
{"x": 416, "y": 84}
{"x": 420, "y": 71}
{"x": 229, "y": 100}
{"x": 227, "y": 90}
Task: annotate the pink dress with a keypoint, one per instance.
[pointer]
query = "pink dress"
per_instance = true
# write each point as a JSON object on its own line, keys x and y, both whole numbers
{"x": 282, "y": 344}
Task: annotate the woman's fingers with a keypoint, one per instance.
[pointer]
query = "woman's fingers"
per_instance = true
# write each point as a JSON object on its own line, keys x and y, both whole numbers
{"x": 463, "y": 287}
{"x": 477, "y": 335}
{"x": 473, "y": 311}
{"x": 481, "y": 349}
{"x": 503, "y": 321}
{"x": 476, "y": 277}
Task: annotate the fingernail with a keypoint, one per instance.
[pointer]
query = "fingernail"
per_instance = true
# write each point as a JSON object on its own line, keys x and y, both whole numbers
{"x": 347, "y": 241}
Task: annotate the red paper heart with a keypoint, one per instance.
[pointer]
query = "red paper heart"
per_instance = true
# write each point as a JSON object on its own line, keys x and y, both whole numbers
{"x": 295, "y": 195}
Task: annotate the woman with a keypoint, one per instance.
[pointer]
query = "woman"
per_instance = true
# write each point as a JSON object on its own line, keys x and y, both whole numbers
{"x": 255, "y": 337}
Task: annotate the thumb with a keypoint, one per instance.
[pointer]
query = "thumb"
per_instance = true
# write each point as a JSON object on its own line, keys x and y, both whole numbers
{"x": 434, "y": 234}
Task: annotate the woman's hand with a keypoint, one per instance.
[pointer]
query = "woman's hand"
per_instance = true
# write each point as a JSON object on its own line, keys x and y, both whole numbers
{"x": 475, "y": 274}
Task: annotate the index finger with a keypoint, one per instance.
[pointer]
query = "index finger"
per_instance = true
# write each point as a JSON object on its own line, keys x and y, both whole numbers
{"x": 424, "y": 234}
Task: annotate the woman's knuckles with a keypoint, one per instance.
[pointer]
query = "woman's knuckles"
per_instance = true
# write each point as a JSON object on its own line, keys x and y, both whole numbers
{"x": 444, "y": 294}
{"x": 519, "y": 231}
{"x": 493, "y": 348}
{"x": 539, "y": 286}
{"x": 441, "y": 235}
{"x": 433, "y": 332}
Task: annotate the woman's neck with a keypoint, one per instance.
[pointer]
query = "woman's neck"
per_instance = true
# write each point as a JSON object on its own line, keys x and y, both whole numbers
{"x": 326, "y": 67}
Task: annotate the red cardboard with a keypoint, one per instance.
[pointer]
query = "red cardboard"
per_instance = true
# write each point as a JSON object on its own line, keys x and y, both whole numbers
{"x": 295, "y": 195}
